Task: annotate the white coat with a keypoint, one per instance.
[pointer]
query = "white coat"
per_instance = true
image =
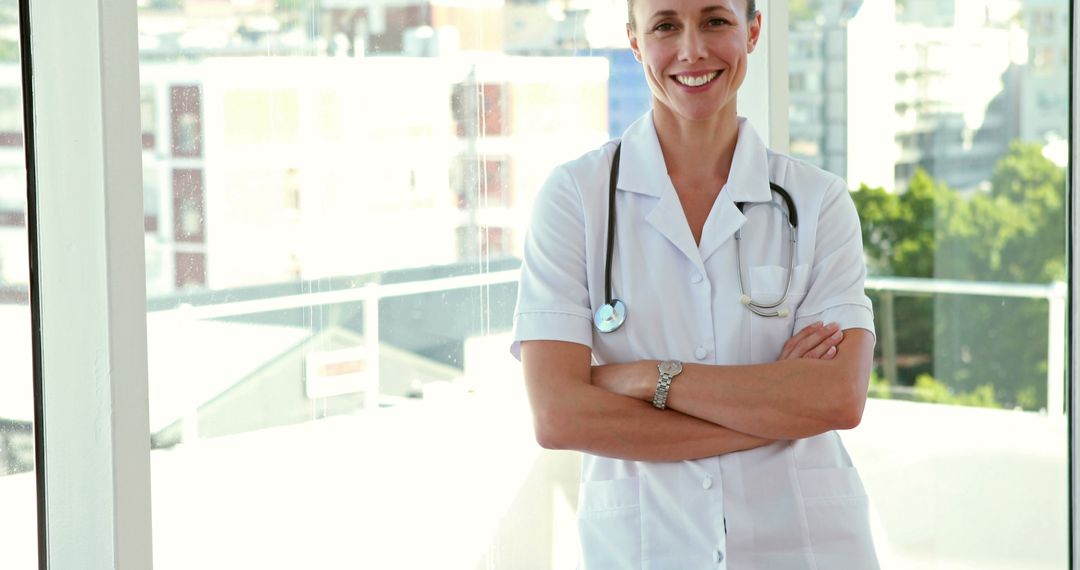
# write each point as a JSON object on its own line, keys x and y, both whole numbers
{"x": 791, "y": 505}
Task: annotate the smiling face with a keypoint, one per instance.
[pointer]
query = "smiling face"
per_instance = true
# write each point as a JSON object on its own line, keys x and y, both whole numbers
{"x": 694, "y": 53}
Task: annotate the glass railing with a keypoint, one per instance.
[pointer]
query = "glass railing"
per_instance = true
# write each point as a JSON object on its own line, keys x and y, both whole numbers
{"x": 952, "y": 484}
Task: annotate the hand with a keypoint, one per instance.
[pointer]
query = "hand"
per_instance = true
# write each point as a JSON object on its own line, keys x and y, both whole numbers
{"x": 815, "y": 341}
{"x": 634, "y": 379}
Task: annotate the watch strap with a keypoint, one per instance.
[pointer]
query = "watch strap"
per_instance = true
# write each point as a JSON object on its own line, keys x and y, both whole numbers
{"x": 659, "y": 399}
{"x": 668, "y": 369}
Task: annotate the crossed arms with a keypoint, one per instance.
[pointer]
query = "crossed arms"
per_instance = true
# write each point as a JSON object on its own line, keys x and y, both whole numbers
{"x": 819, "y": 384}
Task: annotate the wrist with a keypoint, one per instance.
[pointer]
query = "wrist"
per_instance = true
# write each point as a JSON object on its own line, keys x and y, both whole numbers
{"x": 646, "y": 384}
{"x": 668, "y": 370}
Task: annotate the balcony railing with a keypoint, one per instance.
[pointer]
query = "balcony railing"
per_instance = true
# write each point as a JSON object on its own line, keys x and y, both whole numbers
{"x": 888, "y": 287}
{"x": 1054, "y": 293}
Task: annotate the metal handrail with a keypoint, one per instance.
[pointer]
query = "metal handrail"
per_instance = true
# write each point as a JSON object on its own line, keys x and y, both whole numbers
{"x": 372, "y": 291}
{"x": 953, "y": 286}
{"x": 1055, "y": 294}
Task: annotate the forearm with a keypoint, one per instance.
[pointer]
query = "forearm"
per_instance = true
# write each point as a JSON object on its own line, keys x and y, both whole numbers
{"x": 599, "y": 422}
{"x": 788, "y": 399}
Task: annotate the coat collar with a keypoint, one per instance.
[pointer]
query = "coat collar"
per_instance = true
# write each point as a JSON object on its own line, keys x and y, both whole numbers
{"x": 642, "y": 168}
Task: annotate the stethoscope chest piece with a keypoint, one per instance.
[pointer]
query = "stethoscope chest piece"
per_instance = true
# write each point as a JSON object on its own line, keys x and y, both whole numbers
{"x": 610, "y": 316}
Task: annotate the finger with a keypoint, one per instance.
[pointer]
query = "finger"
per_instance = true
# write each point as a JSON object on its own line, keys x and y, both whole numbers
{"x": 802, "y": 344}
{"x": 833, "y": 338}
{"x": 790, "y": 347}
{"x": 792, "y": 342}
{"x": 824, "y": 344}
{"x": 829, "y": 354}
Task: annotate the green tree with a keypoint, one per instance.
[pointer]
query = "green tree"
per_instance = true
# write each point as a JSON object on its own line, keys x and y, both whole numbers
{"x": 979, "y": 347}
{"x": 9, "y": 15}
{"x": 899, "y": 230}
{"x": 1034, "y": 189}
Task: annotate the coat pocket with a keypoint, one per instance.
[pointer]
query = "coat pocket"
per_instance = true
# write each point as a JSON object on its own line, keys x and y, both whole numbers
{"x": 609, "y": 524}
{"x": 768, "y": 334}
{"x": 767, "y": 282}
{"x": 838, "y": 517}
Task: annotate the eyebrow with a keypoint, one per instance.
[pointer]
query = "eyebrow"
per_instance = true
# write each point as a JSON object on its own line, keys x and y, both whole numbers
{"x": 705, "y": 10}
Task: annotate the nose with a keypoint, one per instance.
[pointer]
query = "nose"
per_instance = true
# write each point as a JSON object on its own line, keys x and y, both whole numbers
{"x": 692, "y": 47}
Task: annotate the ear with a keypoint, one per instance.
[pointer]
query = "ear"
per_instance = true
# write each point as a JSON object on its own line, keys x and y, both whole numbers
{"x": 754, "y": 32}
{"x": 633, "y": 41}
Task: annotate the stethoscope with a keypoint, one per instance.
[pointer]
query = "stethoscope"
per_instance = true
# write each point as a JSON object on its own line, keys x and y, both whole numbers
{"x": 612, "y": 314}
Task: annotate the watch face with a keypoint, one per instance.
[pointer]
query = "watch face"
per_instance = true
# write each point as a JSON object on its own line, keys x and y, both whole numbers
{"x": 670, "y": 367}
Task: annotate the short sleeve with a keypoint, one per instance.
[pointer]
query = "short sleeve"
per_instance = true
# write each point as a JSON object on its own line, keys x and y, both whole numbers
{"x": 835, "y": 292}
{"x": 553, "y": 292}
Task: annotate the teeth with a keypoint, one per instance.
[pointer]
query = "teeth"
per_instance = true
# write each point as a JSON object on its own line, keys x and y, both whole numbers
{"x": 696, "y": 81}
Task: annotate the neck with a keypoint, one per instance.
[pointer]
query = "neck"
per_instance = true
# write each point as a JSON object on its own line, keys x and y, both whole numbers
{"x": 697, "y": 149}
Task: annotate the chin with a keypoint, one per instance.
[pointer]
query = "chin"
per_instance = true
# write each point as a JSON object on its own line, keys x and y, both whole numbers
{"x": 698, "y": 113}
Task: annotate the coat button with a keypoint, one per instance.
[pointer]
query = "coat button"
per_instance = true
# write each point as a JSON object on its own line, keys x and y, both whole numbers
{"x": 695, "y": 278}
{"x": 700, "y": 353}
{"x": 706, "y": 483}
{"x": 718, "y": 556}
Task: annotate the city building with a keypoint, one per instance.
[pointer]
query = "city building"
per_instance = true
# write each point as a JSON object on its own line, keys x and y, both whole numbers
{"x": 838, "y": 86}
{"x": 462, "y": 149}
{"x": 949, "y": 77}
{"x": 1044, "y": 100}
{"x": 957, "y": 95}
{"x": 291, "y": 172}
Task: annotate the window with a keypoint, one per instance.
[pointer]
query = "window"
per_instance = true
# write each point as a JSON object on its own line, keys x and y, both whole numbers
{"x": 11, "y": 117}
{"x": 963, "y": 143}
{"x": 18, "y": 489}
{"x": 797, "y": 82}
{"x": 333, "y": 216}
{"x": 151, "y": 198}
{"x": 186, "y": 121}
{"x": 480, "y": 107}
{"x": 188, "y": 206}
{"x": 148, "y": 107}
{"x": 366, "y": 206}
{"x": 1045, "y": 56}
{"x": 190, "y": 270}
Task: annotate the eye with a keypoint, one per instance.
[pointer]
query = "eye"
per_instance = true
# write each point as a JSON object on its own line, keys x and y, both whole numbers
{"x": 718, "y": 22}
{"x": 664, "y": 27}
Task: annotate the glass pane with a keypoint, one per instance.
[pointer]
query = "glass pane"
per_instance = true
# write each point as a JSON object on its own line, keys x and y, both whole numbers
{"x": 18, "y": 491}
{"x": 949, "y": 122}
{"x": 335, "y": 200}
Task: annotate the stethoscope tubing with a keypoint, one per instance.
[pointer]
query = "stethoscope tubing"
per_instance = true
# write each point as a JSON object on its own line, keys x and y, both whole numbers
{"x": 613, "y": 183}
{"x": 757, "y": 307}
{"x": 612, "y": 314}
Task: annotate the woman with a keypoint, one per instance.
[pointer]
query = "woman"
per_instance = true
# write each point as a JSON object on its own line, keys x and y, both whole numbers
{"x": 740, "y": 467}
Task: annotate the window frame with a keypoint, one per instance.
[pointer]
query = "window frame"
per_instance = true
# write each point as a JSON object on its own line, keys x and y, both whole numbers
{"x": 1073, "y": 316}
{"x": 82, "y": 103}
{"x": 81, "y": 98}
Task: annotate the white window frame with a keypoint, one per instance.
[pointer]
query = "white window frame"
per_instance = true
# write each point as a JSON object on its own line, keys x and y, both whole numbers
{"x": 88, "y": 290}
{"x": 768, "y": 74}
{"x": 1073, "y": 327}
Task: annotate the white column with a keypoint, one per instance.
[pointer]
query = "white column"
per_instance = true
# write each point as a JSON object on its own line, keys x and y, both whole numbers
{"x": 371, "y": 338}
{"x": 84, "y": 148}
{"x": 763, "y": 97}
{"x": 1055, "y": 350}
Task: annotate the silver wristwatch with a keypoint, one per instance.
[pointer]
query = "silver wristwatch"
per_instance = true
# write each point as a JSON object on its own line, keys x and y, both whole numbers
{"x": 669, "y": 369}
